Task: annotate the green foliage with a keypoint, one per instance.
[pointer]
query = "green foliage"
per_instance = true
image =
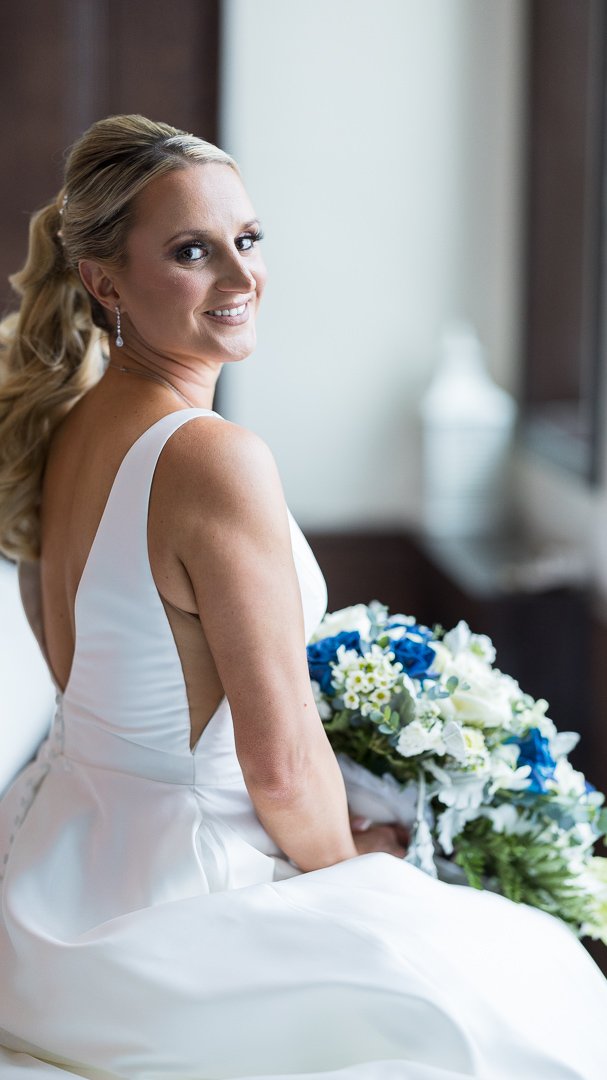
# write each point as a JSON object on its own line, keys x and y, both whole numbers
{"x": 524, "y": 868}
{"x": 370, "y": 747}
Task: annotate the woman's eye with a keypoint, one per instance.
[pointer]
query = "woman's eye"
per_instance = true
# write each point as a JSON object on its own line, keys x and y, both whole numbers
{"x": 191, "y": 253}
{"x": 248, "y": 241}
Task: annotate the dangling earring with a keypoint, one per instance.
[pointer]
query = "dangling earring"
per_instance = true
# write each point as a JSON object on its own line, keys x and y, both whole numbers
{"x": 119, "y": 339}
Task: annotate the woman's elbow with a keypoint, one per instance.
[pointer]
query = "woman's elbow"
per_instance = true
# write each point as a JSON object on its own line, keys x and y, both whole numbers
{"x": 280, "y": 778}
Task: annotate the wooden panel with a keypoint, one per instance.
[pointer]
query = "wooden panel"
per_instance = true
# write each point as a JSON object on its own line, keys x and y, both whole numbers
{"x": 567, "y": 55}
{"x": 66, "y": 64}
{"x": 163, "y": 61}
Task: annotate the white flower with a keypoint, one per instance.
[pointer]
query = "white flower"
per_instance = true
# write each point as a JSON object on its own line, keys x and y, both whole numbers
{"x": 506, "y": 819}
{"x": 463, "y": 797}
{"x": 483, "y": 647}
{"x": 380, "y": 697}
{"x": 534, "y": 716}
{"x": 458, "y": 639}
{"x": 454, "y": 740}
{"x": 562, "y": 743}
{"x": 505, "y": 778}
{"x": 350, "y": 618}
{"x": 351, "y": 700}
{"x": 397, "y": 632}
{"x": 415, "y": 738}
{"x": 475, "y": 745}
{"x": 484, "y": 696}
{"x": 566, "y": 780}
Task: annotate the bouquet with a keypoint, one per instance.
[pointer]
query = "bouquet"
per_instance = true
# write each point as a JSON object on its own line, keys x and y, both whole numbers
{"x": 429, "y": 733}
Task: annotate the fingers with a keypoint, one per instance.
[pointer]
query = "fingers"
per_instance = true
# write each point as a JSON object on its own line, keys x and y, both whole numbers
{"x": 380, "y": 838}
{"x": 359, "y": 823}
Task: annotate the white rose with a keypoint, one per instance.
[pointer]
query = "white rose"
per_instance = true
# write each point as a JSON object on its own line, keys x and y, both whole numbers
{"x": 350, "y": 618}
{"x": 488, "y": 700}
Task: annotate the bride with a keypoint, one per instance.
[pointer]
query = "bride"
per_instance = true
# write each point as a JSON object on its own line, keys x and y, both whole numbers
{"x": 183, "y": 896}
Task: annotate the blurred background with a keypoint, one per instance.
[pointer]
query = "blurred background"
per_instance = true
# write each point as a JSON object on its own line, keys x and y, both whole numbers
{"x": 429, "y": 374}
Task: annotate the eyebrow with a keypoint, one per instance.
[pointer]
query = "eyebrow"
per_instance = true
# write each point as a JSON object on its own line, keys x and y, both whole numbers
{"x": 203, "y": 235}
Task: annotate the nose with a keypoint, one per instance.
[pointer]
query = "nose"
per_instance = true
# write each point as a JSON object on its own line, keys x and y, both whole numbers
{"x": 234, "y": 274}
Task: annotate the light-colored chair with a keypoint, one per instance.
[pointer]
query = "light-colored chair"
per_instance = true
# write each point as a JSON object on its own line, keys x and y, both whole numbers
{"x": 27, "y": 694}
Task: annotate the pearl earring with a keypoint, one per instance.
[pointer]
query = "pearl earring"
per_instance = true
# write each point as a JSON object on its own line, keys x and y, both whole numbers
{"x": 119, "y": 338}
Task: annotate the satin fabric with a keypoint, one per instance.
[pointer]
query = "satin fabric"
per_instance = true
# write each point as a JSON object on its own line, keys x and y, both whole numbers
{"x": 152, "y": 930}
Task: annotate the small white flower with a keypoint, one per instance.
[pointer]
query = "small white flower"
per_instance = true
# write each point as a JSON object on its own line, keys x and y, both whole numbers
{"x": 380, "y": 698}
{"x": 351, "y": 700}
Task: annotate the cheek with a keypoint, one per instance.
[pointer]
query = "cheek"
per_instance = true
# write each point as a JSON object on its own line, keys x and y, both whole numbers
{"x": 161, "y": 294}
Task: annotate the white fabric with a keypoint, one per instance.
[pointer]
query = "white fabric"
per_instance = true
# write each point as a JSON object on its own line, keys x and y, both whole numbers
{"x": 26, "y": 689}
{"x": 149, "y": 930}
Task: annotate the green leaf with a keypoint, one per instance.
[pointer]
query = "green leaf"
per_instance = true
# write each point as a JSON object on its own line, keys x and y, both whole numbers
{"x": 340, "y": 721}
{"x": 524, "y": 868}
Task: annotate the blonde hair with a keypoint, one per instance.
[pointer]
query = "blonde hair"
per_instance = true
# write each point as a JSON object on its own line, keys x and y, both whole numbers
{"x": 51, "y": 349}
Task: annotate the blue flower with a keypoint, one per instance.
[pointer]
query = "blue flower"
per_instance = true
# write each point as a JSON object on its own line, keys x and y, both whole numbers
{"x": 413, "y": 652}
{"x": 534, "y": 751}
{"x": 321, "y": 654}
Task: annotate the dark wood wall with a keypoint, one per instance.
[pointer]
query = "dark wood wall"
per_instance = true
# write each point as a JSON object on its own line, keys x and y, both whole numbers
{"x": 66, "y": 63}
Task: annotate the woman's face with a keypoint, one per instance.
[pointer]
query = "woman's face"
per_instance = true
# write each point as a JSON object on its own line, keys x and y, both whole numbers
{"x": 192, "y": 253}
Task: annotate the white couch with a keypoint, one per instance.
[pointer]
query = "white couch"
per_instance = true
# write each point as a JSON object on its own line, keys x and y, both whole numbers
{"x": 27, "y": 695}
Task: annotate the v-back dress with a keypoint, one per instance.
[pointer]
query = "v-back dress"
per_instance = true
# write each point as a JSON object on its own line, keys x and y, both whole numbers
{"x": 151, "y": 930}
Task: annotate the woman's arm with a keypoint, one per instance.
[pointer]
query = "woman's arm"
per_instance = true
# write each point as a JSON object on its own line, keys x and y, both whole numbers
{"x": 233, "y": 539}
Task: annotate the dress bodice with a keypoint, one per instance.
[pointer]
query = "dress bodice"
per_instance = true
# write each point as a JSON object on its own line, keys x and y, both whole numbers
{"x": 125, "y": 704}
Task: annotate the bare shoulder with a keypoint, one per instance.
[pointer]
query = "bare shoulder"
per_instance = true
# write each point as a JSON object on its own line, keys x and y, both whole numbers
{"x": 226, "y": 467}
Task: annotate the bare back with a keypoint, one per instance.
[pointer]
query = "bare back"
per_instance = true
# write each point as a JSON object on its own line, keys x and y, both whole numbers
{"x": 85, "y": 455}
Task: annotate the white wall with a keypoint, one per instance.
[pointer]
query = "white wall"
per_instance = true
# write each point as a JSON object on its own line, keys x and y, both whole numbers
{"x": 381, "y": 144}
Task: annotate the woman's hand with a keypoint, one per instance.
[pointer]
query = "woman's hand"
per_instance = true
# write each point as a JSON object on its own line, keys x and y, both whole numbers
{"x": 393, "y": 839}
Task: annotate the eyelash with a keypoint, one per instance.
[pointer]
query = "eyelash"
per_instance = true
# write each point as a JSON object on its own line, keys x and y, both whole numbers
{"x": 254, "y": 237}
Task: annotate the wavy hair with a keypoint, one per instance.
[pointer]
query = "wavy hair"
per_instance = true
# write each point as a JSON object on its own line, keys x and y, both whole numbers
{"x": 51, "y": 348}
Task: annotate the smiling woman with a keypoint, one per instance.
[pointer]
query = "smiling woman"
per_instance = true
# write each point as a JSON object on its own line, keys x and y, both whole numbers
{"x": 179, "y": 864}
{"x": 180, "y": 293}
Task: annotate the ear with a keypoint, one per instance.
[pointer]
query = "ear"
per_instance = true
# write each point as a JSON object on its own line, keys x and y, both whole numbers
{"x": 99, "y": 283}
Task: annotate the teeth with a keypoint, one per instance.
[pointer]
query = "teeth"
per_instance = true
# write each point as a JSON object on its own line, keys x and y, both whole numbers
{"x": 229, "y": 311}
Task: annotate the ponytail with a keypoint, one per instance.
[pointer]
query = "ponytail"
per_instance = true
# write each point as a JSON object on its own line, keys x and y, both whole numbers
{"x": 50, "y": 355}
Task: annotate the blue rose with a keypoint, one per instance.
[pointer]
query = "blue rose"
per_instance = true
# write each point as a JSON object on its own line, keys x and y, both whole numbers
{"x": 414, "y": 653}
{"x": 534, "y": 751}
{"x": 321, "y": 654}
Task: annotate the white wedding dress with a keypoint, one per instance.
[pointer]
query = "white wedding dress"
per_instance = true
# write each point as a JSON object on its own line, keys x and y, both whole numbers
{"x": 150, "y": 929}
